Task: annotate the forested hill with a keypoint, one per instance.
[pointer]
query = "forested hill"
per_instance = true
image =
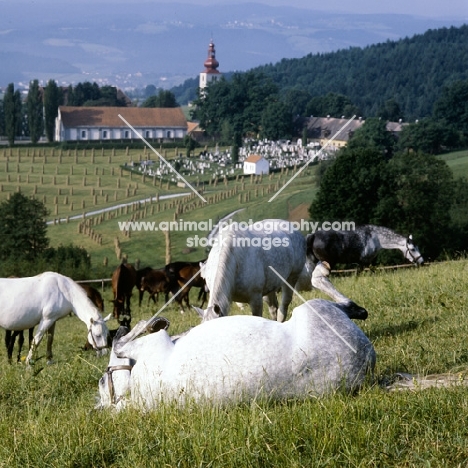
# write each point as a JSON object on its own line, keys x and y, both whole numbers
{"x": 412, "y": 71}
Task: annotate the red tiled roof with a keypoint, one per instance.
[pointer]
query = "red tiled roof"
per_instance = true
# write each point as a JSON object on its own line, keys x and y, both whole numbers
{"x": 253, "y": 158}
{"x": 193, "y": 127}
{"x": 135, "y": 116}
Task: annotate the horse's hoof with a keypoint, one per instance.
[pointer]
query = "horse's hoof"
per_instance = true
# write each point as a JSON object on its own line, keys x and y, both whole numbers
{"x": 50, "y": 362}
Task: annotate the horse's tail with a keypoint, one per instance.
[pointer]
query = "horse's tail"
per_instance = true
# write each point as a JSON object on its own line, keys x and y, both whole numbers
{"x": 310, "y": 248}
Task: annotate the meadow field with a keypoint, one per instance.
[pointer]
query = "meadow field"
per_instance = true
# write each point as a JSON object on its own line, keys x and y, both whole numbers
{"x": 73, "y": 184}
{"x": 417, "y": 323}
{"x": 458, "y": 162}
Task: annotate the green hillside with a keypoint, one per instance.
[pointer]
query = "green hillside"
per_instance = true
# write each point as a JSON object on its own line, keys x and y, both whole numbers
{"x": 74, "y": 184}
{"x": 410, "y": 71}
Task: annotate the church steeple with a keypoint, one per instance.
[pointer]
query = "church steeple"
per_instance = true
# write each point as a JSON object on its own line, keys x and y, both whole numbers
{"x": 211, "y": 64}
{"x": 210, "y": 73}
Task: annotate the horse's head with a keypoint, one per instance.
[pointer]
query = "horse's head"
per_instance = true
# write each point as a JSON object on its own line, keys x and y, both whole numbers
{"x": 210, "y": 313}
{"x": 352, "y": 310}
{"x": 97, "y": 334}
{"x": 120, "y": 313}
{"x": 114, "y": 385}
{"x": 412, "y": 252}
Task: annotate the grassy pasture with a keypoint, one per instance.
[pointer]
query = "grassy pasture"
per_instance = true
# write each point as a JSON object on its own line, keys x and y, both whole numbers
{"x": 458, "y": 162}
{"x": 76, "y": 182}
{"x": 417, "y": 323}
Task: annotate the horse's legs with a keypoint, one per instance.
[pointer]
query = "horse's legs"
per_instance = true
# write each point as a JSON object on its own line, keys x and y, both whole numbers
{"x": 10, "y": 337}
{"x": 140, "y": 297}
{"x": 50, "y": 340}
{"x": 41, "y": 330}
{"x": 272, "y": 302}
{"x": 186, "y": 296}
{"x": 202, "y": 295}
{"x": 286, "y": 298}
{"x": 126, "y": 317}
{"x": 151, "y": 296}
{"x": 20, "y": 343}
{"x": 31, "y": 336}
{"x": 256, "y": 305}
{"x": 321, "y": 282}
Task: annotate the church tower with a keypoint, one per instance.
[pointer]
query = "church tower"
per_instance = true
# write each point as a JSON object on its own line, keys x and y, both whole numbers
{"x": 210, "y": 73}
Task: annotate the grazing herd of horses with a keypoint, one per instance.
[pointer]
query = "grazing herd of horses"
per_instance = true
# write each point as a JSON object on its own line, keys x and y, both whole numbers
{"x": 318, "y": 350}
{"x": 175, "y": 278}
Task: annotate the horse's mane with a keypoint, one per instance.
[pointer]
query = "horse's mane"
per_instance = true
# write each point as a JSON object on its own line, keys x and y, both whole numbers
{"x": 223, "y": 272}
{"x": 78, "y": 298}
{"x": 389, "y": 234}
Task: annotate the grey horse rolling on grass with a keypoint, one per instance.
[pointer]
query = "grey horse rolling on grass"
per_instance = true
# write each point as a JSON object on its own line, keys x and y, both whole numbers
{"x": 319, "y": 350}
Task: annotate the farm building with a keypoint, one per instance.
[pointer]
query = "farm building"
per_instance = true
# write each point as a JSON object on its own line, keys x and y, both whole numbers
{"x": 256, "y": 164}
{"x": 321, "y": 129}
{"x": 104, "y": 123}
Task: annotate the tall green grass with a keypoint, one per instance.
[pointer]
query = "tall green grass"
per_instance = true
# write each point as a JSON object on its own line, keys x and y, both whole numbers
{"x": 417, "y": 323}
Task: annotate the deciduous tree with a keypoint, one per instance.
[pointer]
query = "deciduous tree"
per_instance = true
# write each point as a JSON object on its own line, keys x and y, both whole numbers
{"x": 23, "y": 230}
{"x": 164, "y": 98}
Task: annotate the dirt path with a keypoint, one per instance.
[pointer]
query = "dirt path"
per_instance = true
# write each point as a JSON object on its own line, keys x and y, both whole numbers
{"x": 300, "y": 212}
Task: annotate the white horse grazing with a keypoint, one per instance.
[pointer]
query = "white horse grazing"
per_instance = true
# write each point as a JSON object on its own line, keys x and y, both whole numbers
{"x": 239, "y": 267}
{"x": 318, "y": 351}
{"x": 44, "y": 299}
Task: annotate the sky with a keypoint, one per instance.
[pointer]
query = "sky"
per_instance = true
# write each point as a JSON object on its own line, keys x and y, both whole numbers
{"x": 457, "y": 9}
{"x": 433, "y": 8}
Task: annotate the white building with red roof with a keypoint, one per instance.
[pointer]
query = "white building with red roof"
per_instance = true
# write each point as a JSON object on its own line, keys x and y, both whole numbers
{"x": 104, "y": 123}
{"x": 256, "y": 164}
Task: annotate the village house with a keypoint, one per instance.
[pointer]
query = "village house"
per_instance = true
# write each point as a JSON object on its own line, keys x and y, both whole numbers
{"x": 322, "y": 129}
{"x": 256, "y": 164}
{"x": 104, "y": 123}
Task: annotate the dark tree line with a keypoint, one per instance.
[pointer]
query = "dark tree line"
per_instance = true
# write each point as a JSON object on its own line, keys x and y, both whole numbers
{"x": 92, "y": 95}
{"x": 411, "y": 71}
{"x": 163, "y": 98}
{"x": 251, "y": 105}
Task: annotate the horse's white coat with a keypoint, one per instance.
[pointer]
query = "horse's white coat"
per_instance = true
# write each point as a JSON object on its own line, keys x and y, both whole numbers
{"x": 44, "y": 299}
{"x": 238, "y": 266}
{"x": 120, "y": 382}
{"x": 317, "y": 351}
